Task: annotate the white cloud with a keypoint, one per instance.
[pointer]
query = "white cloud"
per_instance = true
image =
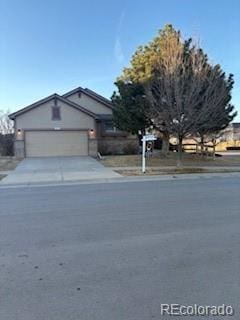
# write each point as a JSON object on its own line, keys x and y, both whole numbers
{"x": 118, "y": 50}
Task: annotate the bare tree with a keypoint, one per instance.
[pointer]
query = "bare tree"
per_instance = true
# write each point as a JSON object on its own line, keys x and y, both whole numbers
{"x": 175, "y": 88}
{"x": 6, "y": 134}
{"x": 6, "y": 124}
{"x": 216, "y": 110}
{"x": 186, "y": 91}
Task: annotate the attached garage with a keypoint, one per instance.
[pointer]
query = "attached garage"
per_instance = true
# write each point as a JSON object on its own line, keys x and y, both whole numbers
{"x": 56, "y": 143}
{"x": 55, "y": 126}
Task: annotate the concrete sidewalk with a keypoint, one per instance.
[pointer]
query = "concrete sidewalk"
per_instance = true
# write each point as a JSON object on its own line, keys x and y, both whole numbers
{"x": 58, "y": 169}
{"x": 125, "y": 179}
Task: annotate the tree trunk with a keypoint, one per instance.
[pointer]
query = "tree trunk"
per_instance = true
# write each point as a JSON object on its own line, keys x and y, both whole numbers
{"x": 165, "y": 144}
{"x": 179, "y": 156}
{"x": 214, "y": 152}
{"x": 202, "y": 145}
{"x": 214, "y": 149}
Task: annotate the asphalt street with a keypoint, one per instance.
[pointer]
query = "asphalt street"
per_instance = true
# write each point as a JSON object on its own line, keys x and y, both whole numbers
{"x": 117, "y": 251}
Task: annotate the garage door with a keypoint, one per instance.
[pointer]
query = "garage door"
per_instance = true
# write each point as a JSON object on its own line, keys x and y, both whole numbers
{"x": 56, "y": 143}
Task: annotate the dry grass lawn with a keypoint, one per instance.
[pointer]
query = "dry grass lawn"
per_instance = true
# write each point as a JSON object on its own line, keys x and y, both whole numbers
{"x": 152, "y": 171}
{"x": 8, "y": 163}
{"x": 158, "y": 161}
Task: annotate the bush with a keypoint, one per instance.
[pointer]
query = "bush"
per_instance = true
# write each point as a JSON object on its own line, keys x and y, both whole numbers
{"x": 106, "y": 149}
{"x": 158, "y": 144}
{"x": 130, "y": 149}
{"x": 6, "y": 144}
{"x": 103, "y": 149}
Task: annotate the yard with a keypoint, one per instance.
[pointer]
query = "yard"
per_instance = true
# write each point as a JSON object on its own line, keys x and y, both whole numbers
{"x": 157, "y": 160}
{"x": 7, "y": 164}
{"x": 157, "y": 164}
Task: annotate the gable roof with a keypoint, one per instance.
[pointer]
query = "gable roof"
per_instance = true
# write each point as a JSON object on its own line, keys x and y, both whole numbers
{"x": 53, "y": 96}
{"x": 91, "y": 94}
{"x": 236, "y": 125}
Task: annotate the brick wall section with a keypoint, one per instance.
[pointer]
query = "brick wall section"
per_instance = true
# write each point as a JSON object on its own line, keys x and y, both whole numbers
{"x": 93, "y": 147}
{"x": 19, "y": 149}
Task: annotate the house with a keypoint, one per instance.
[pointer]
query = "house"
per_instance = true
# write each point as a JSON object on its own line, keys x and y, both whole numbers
{"x": 231, "y": 133}
{"x": 74, "y": 124}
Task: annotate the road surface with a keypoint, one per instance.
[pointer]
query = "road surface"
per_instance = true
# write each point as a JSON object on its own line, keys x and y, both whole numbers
{"x": 117, "y": 251}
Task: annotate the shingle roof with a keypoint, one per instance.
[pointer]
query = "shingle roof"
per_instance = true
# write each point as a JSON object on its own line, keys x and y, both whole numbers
{"x": 91, "y": 94}
{"x": 104, "y": 116}
{"x": 236, "y": 125}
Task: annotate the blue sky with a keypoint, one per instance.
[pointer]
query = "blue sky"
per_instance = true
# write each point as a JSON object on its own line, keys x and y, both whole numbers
{"x": 55, "y": 46}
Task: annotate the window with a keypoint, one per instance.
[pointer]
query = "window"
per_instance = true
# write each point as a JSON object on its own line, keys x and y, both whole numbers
{"x": 108, "y": 129}
{"x": 109, "y": 126}
{"x": 56, "y": 115}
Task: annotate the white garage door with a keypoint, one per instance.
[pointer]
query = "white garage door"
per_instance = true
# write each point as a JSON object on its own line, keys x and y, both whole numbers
{"x": 56, "y": 143}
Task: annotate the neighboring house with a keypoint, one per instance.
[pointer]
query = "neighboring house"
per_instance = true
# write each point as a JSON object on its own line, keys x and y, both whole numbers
{"x": 76, "y": 123}
{"x": 229, "y": 137}
{"x": 231, "y": 133}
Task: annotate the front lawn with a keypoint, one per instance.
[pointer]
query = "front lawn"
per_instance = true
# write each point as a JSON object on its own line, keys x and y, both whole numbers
{"x": 173, "y": 171}
{"x": 8, "y": 163}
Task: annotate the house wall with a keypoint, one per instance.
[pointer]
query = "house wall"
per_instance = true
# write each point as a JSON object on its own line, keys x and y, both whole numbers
{"x": 41, "y": 118}
{"x": 19, "y": 149}
{"x": 93, "y": 147}
{"x": 89, "y": 103}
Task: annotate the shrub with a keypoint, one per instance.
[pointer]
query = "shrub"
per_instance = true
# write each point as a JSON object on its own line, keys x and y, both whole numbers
{"x": 130, "y": 149}
{"x": 6, "y": 144}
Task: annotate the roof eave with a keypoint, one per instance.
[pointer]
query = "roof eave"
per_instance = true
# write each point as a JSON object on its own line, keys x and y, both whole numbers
{"x": 13, "y": 115}
{"x": 91, "y": 94}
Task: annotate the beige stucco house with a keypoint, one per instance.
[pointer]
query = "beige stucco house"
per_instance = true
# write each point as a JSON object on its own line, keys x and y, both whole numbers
{"x": 76, "y": 123}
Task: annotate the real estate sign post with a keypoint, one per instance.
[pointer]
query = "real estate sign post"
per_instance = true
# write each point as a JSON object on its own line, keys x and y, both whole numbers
{"x": 148, "y": 137}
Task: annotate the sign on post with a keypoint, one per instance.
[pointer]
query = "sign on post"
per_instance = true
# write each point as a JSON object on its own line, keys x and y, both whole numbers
{"x": 148, "y": 137}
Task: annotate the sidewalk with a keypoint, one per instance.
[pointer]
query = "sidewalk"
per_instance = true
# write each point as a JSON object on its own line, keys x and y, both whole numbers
{"x": 126, "y": 179}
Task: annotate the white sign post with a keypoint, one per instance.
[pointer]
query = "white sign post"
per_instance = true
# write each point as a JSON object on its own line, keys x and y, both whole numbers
{"x": 143, "y": 155}
{"x": 149, "y": 137}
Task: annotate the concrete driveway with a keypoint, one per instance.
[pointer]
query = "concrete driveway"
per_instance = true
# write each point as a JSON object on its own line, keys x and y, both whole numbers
{"x": 58, "y": 169}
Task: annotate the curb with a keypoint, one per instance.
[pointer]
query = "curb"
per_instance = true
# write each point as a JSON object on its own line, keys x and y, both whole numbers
{"x": 167, "y": 177}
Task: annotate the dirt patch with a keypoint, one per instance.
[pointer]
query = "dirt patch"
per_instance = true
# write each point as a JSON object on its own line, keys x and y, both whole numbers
{"x": 171, "y": 160}
{"x": 8, "y": 163}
